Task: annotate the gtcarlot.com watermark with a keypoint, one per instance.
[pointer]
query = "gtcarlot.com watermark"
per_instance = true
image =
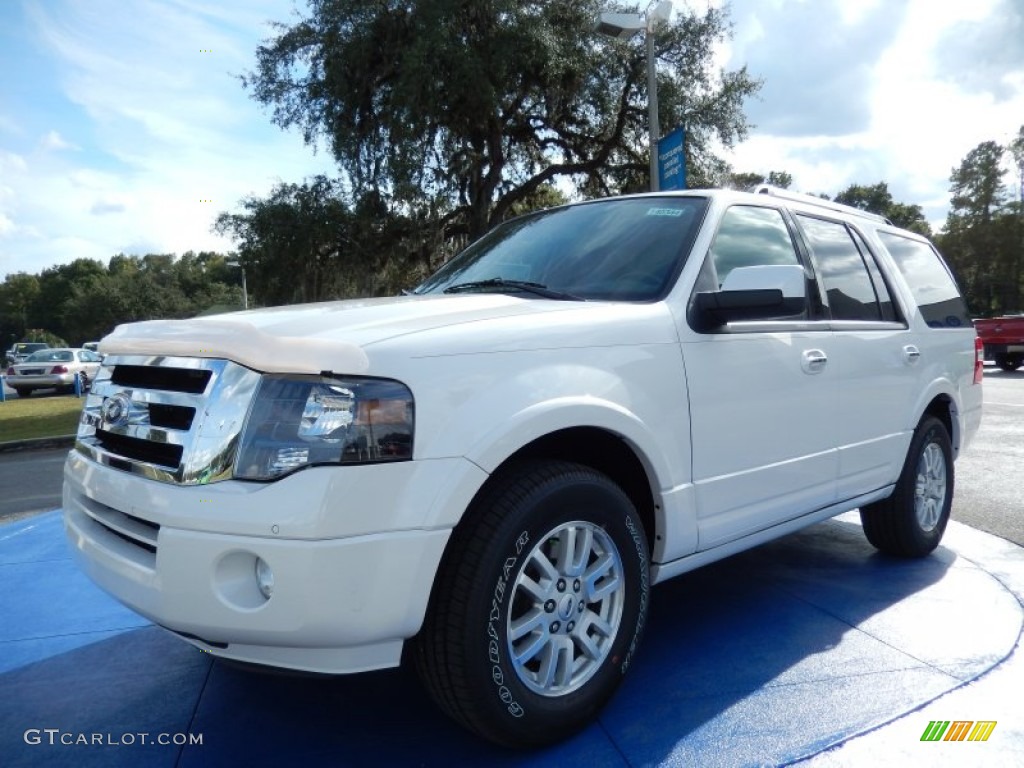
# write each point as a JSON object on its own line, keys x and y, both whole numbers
{"x": 57, "y": 737}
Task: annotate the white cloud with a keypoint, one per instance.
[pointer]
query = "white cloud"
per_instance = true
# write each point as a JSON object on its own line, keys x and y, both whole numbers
{"x": 168, "y": 126}
{"x": 923, "y": 105}
{"x": 52, "y": 141}
{"x": 6, "y": 225}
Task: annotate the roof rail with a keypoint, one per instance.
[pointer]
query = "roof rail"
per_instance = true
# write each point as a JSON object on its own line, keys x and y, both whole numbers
{"x": 799, "y": 197}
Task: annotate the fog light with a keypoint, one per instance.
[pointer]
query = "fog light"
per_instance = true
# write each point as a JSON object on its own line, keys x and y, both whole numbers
{"x": 264, "y": 578}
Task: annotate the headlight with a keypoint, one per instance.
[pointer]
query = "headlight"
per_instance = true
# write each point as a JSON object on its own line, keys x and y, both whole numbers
{"x": 298, "y": 421}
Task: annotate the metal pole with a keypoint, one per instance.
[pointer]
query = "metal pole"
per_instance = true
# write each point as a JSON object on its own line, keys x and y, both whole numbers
{"x": 652, "y": 105}
{"x": 245, "y": 290}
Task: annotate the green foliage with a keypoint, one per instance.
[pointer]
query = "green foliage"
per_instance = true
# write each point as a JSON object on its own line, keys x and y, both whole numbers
{"x": 39, "y": 334}
{"x": 305, "y": 242}
{"x": 477, "y": 106}
{"x": 83, "y": 301}
{"x": 984, "y": 234}
{"x": 876, "y": 198}
{"x": 747, "y": 182}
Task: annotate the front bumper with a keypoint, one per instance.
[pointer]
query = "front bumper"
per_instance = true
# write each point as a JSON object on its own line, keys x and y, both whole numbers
{"x": 341, "y": 603}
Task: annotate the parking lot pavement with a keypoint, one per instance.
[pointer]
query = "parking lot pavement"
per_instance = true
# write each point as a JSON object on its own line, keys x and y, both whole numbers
{"x": 768, "y": 657}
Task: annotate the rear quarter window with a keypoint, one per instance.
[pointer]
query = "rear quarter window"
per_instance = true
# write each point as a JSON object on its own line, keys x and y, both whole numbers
{"x": 930, "y": 281}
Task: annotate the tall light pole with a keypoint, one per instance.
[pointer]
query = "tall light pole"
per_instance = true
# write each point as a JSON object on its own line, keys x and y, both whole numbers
{"x": 623, "y": 26}
{"x": 245, "y": 288}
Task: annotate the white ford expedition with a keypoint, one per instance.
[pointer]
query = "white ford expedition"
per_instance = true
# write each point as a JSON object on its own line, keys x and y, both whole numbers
{"x": 496, "y": 468}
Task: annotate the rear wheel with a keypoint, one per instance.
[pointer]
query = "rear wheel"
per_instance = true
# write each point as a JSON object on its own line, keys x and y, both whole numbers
{"x": 1009, "y": 362}
{"x": 539, "y": 606}
{"x": 910, "y": 523}
{"x": 23, "y": 392}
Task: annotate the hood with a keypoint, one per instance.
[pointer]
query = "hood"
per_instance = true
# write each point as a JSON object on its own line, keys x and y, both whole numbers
{"x": 310, "y": 338}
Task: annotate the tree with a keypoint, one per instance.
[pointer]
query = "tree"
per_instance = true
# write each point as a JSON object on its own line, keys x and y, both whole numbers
{"x": 291, "y": 243}
{"x": 83, "y": 301}
{"x": 748, "y": 182}
{"x": 17, "y": 297}
{"x": 780, "y": 179}
{"x": 977, "y": 185}
{"x": 876, "y": 198}
{"x": 476, "y": 106}
{"x": 984, "y": 231}
{"x": 1017, "y": 151}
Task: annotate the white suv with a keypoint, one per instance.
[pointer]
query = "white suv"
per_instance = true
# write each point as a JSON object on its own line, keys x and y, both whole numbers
{"x": 587, "y": 401}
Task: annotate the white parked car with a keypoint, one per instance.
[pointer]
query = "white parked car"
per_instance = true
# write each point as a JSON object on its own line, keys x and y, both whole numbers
{"x": 53, "y": 368}
{"x": 589, "y": 400}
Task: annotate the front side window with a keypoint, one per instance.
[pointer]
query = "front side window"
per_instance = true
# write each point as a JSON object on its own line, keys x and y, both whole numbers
{"x": 930, "y": 282}
{"x": 750, "y": 236}
{"x": 851, "y": 294}
{"x": 628, "y": 249}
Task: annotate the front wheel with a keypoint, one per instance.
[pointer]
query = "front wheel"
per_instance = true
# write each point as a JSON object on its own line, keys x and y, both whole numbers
{"x": 539, "y": 605}
{"x": 910, "y": 523}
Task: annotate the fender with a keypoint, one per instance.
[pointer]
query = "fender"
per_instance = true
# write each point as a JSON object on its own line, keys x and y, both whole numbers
{"x": 544, "y": 418}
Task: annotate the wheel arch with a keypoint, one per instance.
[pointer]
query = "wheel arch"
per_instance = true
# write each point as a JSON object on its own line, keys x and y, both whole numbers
{"x": 607, "y": 453}
{"x": 944, "y": 408}
{"x": 598, "y": 448}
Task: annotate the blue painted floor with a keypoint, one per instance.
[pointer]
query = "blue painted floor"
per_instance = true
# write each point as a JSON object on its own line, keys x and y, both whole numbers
{"x": 805, "y": 648}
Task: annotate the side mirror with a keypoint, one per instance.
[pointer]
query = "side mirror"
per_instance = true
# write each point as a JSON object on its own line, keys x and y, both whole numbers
{"x": 765, "y": 292}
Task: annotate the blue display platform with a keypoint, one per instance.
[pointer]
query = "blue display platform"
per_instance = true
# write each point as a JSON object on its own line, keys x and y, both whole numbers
{"x": 767, "y": 658}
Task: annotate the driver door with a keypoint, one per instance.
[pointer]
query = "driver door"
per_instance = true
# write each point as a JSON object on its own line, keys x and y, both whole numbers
{"x": 763, "y": 395}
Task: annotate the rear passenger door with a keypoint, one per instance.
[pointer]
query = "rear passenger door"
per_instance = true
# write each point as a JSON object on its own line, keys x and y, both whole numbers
{"x": 875, "y": 357}
{"x": 763, "y": 395}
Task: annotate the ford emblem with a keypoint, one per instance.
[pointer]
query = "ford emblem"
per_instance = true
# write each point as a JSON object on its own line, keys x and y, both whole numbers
{"x": 116, "y": 409}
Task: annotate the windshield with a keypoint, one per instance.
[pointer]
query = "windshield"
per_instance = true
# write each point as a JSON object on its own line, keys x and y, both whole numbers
{"x": 626, "y": 249}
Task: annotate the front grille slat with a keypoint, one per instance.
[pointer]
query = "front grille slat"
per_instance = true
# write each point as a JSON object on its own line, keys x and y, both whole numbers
{"x": 190, "y": 380}
{"x": 164, "y": 454}
{"x": 171, "y": 416}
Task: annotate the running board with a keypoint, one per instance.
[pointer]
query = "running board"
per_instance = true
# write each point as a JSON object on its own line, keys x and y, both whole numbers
{"x": 663, "y": 571}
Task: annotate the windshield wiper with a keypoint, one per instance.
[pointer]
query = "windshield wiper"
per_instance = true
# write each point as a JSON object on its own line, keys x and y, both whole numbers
{"x": 502, "y": 284}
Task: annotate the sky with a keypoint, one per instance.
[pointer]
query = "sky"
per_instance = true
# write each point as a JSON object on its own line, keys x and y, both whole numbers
{"x": 124, "y": 127}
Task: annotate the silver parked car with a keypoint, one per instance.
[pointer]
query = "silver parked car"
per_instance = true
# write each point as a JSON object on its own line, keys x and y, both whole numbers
{"x": 53, "y": 369}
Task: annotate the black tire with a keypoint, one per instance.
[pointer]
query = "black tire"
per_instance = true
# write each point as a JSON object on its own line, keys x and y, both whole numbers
{"x": 23, "y": 392}
{"x": 1009, "y": 363}
{"x": 904, "y": 524}
{"x": 463, "y": 653}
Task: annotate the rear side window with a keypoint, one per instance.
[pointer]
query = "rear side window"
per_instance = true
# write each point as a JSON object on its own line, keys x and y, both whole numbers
{"x": 885, "y": 301}
{"x": 851, "y": 293}
{"x": 932, "y": 285}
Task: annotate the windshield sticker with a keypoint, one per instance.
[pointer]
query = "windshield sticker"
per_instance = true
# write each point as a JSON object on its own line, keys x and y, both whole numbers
{"x": 665, "y": 212}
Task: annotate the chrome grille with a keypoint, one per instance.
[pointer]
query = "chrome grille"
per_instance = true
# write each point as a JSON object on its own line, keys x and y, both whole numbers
{"x": 172, "y": 419}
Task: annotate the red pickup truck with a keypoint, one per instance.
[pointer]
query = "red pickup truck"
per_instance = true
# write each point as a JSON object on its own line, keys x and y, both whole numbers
{"x": 1003, "y": 338}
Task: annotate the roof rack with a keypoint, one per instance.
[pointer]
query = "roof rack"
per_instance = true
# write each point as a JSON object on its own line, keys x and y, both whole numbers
{"x": 799, "y": 197}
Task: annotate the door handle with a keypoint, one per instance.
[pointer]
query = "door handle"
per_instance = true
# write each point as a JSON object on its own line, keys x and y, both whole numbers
{"x": 813, "y": 361}
{"x": 911, "y": 354}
